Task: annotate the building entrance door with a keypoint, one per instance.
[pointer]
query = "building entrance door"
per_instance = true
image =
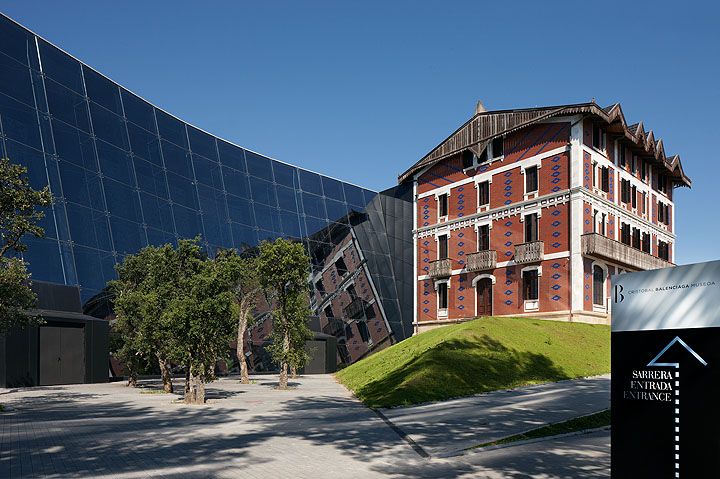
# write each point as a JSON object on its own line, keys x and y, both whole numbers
{"x": 62, "y": 355}
{"x": 484, "y": 297}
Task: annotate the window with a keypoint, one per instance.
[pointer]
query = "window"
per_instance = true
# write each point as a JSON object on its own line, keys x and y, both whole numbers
{"x": 634, "y": 164}
{"x": 645, "y": 245}
{"x": 664, "y": 250}
{"x": 442, "y": 247}
{"x": 598, "y": 286}
{"x": 625, "y": 233}
{"x": 531, "y": 179}
{"x": 598, "y": 137}
{"x": 496, "y": 147}
{"x": 662, "y": 183}
{"x": 483, "y": 237}
{"x": 633, "y": 196}
{"x": 625, "y": 191}
{"x": 602, "y": 225}
{"x": 483, "y": 193}
{"x": 530, "y": 285}
{"x": 341, "y": 267}
{"x": 319, "y": 286}
{"x": 468, "y": 159}
{"x": 636, "y": 238}
{"x": 442, "y": 295}
{"x": 605, "y": 179}
{"x": 643, "y": 170}
{"x": 663, "y": 213}
{"x": 329, "y": 312}
{"x": 443, "y": 205}
{"x": 351, "y": 291}
{"x": 644, "y": 200}
{"x": 363, "y": 330}
{"x": 621, "y": 156}
{"x": 531, "y": 228}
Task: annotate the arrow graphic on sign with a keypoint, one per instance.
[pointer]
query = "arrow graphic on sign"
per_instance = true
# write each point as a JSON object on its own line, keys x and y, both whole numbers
{"x": 655, "y": 363}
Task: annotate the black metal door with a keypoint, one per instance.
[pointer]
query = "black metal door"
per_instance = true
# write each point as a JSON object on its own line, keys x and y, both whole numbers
{"x": 62, "y": 355}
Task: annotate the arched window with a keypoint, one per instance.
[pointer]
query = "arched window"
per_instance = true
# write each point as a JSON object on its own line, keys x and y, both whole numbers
{"x": 598, "y": 286}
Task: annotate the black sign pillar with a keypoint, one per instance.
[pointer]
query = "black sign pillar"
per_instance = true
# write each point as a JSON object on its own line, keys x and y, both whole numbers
{"x": 666, "y": 373}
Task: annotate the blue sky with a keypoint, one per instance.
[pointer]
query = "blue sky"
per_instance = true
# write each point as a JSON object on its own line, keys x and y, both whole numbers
{"x": 361, "y": 90}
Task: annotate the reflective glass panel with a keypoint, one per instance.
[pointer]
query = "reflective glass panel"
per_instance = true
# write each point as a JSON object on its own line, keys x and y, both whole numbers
{"x": 81, "y": 186}
{"x": 16, "y": 42}
{"x": 263, "y": 191}
{"x": 108, "y": 126}
{"x": 202, "y": 143}
{"x": 102, "y": 91}
{"x": 287, "y": 198}
{"x": 258, "y": 166}
{"x": 150, "y": 178}
{"x": 29, "y": 158}
{"x": 20, "y": 122}
{"x": 74, "y": 145}
{"x": 15, "y": 80}
{"x": 244, "y": 237}
{"x": 157, "y": 213}
{"x": 61, "y": 67}
{"x": 333, "y": 189}
{"x": 67, "y": 105}
{"x": 354, "y": 196}
{"x": 138, "y": 111}
{"x": 115, "y": 163}
{"x": 310, "y": 182}
{"x": 231, "y": 156}
{"x": 313, "y": 205}
{"x": 240, "y": 210}
{"x": 236, "y": 182}
{"x": 44, "y": 256}
{"x": 144, "y": 144}
{"x": 122, "y": 200}
{"x": 88, "y": 227}
{"x": 128, "y": 236}
{"x": 182, "y": 190}
{"x": 176, "y": 159}
{"x": 187, "y": 222}
{"x": 171, "y": 129}
{"x": 285, "y": 174}
{"x": 207, "y": 172}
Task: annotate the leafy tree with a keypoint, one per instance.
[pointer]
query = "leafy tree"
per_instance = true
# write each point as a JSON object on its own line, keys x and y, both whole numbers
{"x": 20, "y": 212}
{"x": 202, "y": 315}
{"x": 283, "y": 267}
{"x": 244, "y": 283}
{"x": 146, "y": 283}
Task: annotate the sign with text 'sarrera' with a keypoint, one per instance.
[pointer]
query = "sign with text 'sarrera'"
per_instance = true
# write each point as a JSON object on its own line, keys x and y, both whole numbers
{"x": 666, "y": 373}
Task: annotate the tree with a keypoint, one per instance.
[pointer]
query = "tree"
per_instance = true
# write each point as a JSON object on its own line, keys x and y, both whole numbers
{"x": 244, "y": 283}
{"x": 203, "y": 317}
{"x": 20, "y": 212}
{"x": 283, "y": 267}
{"x": 147, "y": 282}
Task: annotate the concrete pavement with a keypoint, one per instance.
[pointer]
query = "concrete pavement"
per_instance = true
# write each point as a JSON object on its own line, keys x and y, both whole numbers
{"x": 449, "y": 426}
{"x": 317, "y": 430}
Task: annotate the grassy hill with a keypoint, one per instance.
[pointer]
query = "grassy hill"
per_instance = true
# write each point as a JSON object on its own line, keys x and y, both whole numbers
{"x": 478, "y": 356}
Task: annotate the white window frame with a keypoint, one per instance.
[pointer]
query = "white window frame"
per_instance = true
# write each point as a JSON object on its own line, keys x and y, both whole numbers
{"x": 442, "y": 219}
{"x": 480, "y": 207}
{"x": 442, "y": 312}
{"x": 597, "y": 307}
{"x": 489, "y": 224}
{"x": 533, "y": 194}
{"x": 438, "y": 234}
{"x": 531, "y": 304}
{"x": 474, "y": 283}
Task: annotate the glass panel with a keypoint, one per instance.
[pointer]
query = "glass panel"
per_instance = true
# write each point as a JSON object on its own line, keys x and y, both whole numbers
{"x": 159, "y": 238}
{"x": 20, "y": 122}
{"x": 267, "y": 218}
{"x": 171, "y": 129}
{"x": 88, "y": 227}
{"x": 16, "y": 42}
{"x": 157, "y": 213}
{"x": 138, "y": 111}
{"x": 314, "y": 225}
{"x": 187, "y": 222}
{"x": 333, "y": 189}
{"x": 336, "y": 211}
{"x": 176, "y": 159}
{"x": 67, "y": 106}
{"x": 109, "y": 126}
{"x": 128, "y": 236}
{"x": 144, "y": 144}
{"x": 15, "y": 80}
{"x": 74, "y": 145}
{"x": 244, "y": 236}
{"x": 285, "y": 174}
{"x": 354, "y": 196}
{"x": 236, "y": 182}
{"x": 122, "y": 200}
{"x": 94, "y": 268}
{"x": 60, "y": 67}
{"x": 81, "y": 186}
{"x": 290, "y": 224}
{"x": 202, "y": 143}
{"x": 207, "y": 172}
{"x": 31, "y": 159}
{"x": 313, "y": 205}
{"x": 310, "y": 182}
{"x": 240, "y": 210}
{"x": 44, "y": 258}
{"x": 258, "y": 166}
{"x": 150, "y": 178}
{"x": 215, "y": 220}
{"x": 182, "y": 190}
{"x": 231, "y": 156}
{"x": 287, "y": 198}
{"x": 263, "y": 191}
{"x": 115, "y": 163}
{"x": 368, "y": 195}
{"x": 102, "y": 91}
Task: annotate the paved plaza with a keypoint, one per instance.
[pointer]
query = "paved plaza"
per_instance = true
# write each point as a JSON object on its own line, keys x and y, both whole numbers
{"x": 317, "y": 429}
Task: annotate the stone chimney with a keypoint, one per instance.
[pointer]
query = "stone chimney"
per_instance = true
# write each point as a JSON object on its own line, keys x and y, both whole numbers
{"x": 480, "y": 108}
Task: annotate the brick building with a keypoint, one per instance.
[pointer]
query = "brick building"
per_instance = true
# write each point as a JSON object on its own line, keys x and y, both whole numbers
{"x": 528, "y": 212}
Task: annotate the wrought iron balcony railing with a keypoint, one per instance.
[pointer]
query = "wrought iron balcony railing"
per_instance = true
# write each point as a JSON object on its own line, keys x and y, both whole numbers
{"x": 356, "y": 309}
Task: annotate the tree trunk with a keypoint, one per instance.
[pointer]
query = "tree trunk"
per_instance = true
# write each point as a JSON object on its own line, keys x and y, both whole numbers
{"x": 283, "y": 382}
{"x": 166, "y": 375}
{"x": 242, "y": 326}
{"x": 196, "y": 394}
{"x": 187, "y": 380}
{"x": 132, "y": 380}
{"x": 293, "y": 372}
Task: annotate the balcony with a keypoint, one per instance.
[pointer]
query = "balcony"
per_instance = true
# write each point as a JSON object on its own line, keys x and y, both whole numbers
{"x": 441, "y": 268}
{"x": 529, "y": 252}
{"x": 334, "y": 327}
{"x": 356, "y": 309}
{"x": 597, "y": 245}
{"x": 481, "y": 260}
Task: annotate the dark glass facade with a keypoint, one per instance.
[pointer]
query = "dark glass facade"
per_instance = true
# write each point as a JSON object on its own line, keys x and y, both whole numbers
{"x": 125, "y": 174}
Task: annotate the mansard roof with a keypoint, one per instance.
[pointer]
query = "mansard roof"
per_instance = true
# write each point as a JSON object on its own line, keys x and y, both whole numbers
{"x": 477, "y": 132}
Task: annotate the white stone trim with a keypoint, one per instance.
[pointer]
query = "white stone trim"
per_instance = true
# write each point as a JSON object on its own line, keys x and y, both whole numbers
{"x": 532, "y": 268}
{"x": 477, "y": 279}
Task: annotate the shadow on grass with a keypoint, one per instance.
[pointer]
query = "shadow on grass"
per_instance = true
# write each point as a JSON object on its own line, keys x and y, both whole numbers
{"x": 460, "y": 367}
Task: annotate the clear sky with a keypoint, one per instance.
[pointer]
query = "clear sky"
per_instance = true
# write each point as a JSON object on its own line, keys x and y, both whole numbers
{"x": 361, "y": 90}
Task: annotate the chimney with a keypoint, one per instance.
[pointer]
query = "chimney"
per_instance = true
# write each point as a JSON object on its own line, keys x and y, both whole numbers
{"x": 480, "y": 108}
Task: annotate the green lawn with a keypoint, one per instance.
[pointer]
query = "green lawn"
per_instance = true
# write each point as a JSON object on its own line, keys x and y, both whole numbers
{"x": 478, "y": 356}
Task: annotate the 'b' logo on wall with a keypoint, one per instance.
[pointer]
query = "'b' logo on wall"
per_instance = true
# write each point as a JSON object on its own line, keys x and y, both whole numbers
{"x": 619, "y": 297}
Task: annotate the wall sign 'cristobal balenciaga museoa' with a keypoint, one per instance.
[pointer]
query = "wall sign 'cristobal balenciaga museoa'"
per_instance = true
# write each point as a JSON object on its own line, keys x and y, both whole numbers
{"x": 666, "y": 372}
